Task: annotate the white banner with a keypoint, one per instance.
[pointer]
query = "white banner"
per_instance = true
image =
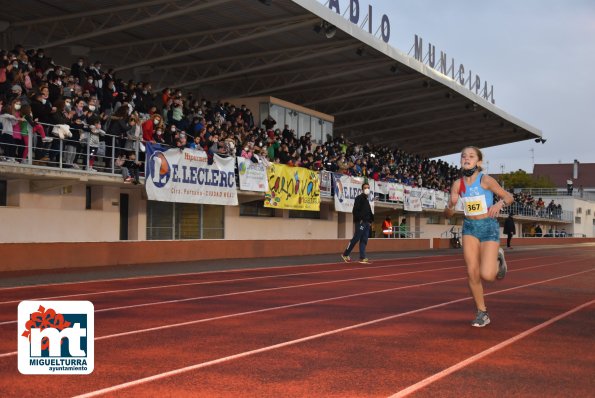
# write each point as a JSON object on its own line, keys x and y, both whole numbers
{"x": 347, "y": 189}
{"x": 326, "y": 184}
{"x": 412, "y": 200}
{"x": 396, "y": 192}
{"x": 185, "y": 176}
{"x": 253, "y": 176}
{"x": 428, "y": 198}
{"x": 392, "y": 190}
{"x": 441, "y": 200}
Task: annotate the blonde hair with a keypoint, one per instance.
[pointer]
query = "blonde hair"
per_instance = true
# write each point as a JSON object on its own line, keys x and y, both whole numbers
{"x": 477, "y": 152}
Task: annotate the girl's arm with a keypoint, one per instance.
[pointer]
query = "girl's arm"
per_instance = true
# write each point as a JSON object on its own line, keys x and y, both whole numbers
{"x": 490, "y": 183}
{"x": 453, "y": 199}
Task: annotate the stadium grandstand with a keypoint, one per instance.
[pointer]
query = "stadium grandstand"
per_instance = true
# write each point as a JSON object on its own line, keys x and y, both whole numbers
{"x": 95, "y": 94}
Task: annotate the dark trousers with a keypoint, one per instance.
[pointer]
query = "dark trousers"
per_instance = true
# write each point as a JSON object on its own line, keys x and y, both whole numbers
{"x": 508, "y": 240}
{"x": 362, "y": 232}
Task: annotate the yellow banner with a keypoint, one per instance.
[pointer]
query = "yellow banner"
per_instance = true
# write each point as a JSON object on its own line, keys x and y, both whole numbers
{"x": 294, "y": 188}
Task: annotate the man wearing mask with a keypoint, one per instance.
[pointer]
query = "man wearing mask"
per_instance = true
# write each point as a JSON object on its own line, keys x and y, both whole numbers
{"x": 78, "y": 71}
{"x": 363, "y": 218}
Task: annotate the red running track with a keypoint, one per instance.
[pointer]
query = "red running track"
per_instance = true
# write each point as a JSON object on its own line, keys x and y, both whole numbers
{"x": 394, "y": 327}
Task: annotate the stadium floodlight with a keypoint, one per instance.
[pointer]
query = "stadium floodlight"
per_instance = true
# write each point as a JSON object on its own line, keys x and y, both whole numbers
{"x": 329, "y": 30}
{"x": 394, "y": 68}
{"x": 360, "y": 51}
{"x": 266, "y": 2}
{"x": 538, "y": 140}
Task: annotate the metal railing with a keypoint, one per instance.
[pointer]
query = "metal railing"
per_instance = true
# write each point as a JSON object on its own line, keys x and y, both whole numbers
{"x": 519, "y": 209}
{"x": 65, "y": 153}
{"x": 548, "y": 192}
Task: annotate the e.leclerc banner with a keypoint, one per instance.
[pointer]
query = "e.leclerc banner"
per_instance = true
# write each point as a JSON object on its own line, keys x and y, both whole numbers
{"x": 185, "y": 176}
{"x": 347, "y": 188}
{"x": 294, "y": 188}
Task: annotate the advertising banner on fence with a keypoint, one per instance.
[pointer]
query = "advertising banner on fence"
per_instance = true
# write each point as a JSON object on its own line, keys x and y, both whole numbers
{"x": 441, "y": 200}
{"x": 392, "y": 190}
{"x": 326, "y": 184}
{"x": 346, "y": 190}
{"x": 294, "y": 188}
{"x": 185, "y": 176}
{"x": 253, "y": 176}
{"x": 412, "y": 199}
{"x": 428, "y": 198}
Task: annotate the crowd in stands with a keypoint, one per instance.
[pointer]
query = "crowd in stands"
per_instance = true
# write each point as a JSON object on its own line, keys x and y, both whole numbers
{"x": 112, "y": 118}
{"x": 525, "y": 204}
{"x": 108, "y": 117}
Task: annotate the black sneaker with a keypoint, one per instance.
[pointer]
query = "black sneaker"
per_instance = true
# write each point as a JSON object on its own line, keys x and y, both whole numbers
{"x": 481, "y": 319}
{"x": 502, "y": 267}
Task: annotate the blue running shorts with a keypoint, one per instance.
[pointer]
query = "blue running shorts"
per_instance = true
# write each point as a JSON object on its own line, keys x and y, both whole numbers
{"x": 486, "y": 229}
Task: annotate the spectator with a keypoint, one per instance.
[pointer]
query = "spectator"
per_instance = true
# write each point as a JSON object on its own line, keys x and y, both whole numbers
{"x": 387, "y": 227}
{"x": 269, "y": 123}
{"x": 8, "y": 121}
{"x": 538, "y": 231}
{"x": 77, "y": 70}
{"x": 569, "y": 186}
{"x": 134, "y": 134}
{"x": 403, "y": 228}
{"x": 130, "y": 169}
{"x": 92, "y": 135}
{"x": 509, "y": 230}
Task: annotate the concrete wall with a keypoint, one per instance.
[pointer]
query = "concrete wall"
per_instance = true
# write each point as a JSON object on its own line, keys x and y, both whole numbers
{"x": 32, "y": 256}
{"x": 58, "y": 213}
{"x": 281, "y": 227}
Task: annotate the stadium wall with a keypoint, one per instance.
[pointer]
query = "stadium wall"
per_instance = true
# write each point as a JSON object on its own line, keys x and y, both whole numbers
{"x": 60, "y": 255}
{"x": 39, "y": 256}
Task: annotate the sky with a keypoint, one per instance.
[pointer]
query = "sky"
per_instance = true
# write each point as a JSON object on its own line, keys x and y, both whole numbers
{"x": 538, "y": 54}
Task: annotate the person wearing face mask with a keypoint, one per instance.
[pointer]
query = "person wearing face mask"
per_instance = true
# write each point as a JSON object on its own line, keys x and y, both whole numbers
{"x": 481, "y": 230}
{"x": 363, "y": 218}
{"x": 8, "y": 122}
{"x": 55, "y": 89}
{"x": 78, "y": 70}
{"x": 88, "y": 86}
{"x": 150, "y": 126}
{"x": 41, "y": 107}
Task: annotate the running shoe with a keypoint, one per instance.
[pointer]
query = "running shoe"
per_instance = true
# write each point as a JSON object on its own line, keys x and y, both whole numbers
{"x": 502, "y": 267}
{"x": 346, "y": 258}
{"x": 481, "y": 319}
{"x": 364, "y": 261}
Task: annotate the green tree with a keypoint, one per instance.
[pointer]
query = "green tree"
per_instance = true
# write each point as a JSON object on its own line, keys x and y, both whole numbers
{"x": 521, "y": 179}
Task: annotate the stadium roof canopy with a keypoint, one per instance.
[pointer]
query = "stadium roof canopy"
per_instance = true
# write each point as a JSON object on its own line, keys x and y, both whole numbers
{"x": 243, "y": 48}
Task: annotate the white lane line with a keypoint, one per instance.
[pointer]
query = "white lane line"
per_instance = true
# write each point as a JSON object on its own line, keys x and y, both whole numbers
{"x": 139, "y": 277}
{"x": 135, "y": 289}
{"x": 239, "y": 314}
{"x": 260, "y": 290}
{"x": 208, "y": 272}
{"x": 297, "y": 341}
{"x": 284, "y": 288}
{"x": 440, "y": 375}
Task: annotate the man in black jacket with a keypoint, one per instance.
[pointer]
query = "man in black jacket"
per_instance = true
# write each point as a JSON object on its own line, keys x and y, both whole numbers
{"x": 363, "y": 218}
{"x": 509, "y": 229}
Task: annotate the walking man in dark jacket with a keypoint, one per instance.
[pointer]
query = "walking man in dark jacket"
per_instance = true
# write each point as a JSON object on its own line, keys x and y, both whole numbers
{"x": 363, "y": 218}
{"x": 509, "y": 229}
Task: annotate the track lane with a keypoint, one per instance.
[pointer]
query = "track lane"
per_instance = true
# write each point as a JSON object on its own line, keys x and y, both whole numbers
{"x": 285, "y": 328}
